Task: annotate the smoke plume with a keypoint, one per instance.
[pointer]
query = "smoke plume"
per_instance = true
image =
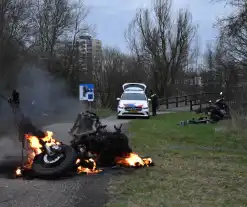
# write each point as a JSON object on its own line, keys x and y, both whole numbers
{"x": 43, "y": 98}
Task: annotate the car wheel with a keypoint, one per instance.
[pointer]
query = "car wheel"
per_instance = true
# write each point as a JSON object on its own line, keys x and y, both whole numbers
{"x": 119, "y": 117}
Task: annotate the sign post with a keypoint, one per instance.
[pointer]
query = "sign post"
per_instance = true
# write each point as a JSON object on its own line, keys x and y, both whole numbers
{"x": 86, "y": 93}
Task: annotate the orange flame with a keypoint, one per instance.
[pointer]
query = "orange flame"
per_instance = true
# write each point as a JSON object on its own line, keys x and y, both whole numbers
{"x": 93, "y": 170}
{"x": 35, "y": 144}
{"x": 35, "y": 148}
{"x": 18, "y": 172}
{"x": 133, "y": 160}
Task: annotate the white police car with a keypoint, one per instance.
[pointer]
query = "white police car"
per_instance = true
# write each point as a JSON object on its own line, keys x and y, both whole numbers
{"x": 133, "y": 101}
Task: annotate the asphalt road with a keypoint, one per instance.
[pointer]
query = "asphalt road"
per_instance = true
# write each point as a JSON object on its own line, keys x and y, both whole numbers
{"x": 81, "y": 190}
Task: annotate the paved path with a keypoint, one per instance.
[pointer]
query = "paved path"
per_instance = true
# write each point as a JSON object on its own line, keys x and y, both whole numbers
{"x": 88, "y": 191}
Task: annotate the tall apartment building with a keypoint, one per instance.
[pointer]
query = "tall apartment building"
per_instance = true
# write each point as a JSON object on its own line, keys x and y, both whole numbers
{"x": 89, "y": 52}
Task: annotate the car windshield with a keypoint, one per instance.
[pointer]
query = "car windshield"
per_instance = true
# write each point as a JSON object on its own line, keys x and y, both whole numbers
{"x": 134, "y": 96}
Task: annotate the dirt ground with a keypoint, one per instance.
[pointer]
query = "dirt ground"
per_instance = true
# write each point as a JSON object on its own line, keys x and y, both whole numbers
{"x": 90, "y": 191}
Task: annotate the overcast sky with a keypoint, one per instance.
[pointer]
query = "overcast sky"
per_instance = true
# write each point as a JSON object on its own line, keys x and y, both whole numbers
{"x": 111, "y": 18}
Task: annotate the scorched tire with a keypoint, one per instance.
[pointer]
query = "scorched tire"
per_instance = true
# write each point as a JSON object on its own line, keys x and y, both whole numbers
{"x": 61, "y": 169}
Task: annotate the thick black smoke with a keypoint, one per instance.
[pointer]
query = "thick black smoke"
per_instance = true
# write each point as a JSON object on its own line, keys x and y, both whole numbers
{"x": 44, "y": 98}
{"x": 43, "y": 94}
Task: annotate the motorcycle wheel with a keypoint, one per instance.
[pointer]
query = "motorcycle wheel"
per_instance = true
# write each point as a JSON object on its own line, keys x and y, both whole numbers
{"x": 57, "y": 167}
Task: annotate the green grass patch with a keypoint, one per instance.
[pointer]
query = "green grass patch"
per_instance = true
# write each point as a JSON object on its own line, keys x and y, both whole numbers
{"x": 164, "y": 130}
{"x": 103, "y": 112}
{"x": 187, "y": 175}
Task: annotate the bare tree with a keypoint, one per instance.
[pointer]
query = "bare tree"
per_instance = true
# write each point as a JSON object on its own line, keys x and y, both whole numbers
{"x": 73, "y": 55}
{"x": 80, "y": 13}
{"x": 14, "y": 33}
{"x": 28, "y": 28}
{"x": 52, "y": 18}
{"x": 222, "y": 70}
{"x": 166, "y": 43}
{"x": 117, "y": 69}
{"x": 237, "y": 19}
{"x": 234, "y": 32}
{"x": 107, "y": 79}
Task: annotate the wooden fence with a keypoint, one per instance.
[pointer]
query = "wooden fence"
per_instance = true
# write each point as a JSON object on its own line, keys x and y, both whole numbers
{"x": 199, "y": 100}
{"x": 190, "y": 100}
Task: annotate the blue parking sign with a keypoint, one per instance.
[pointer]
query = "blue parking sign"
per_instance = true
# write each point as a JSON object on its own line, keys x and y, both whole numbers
{"x": 86, "y": 92}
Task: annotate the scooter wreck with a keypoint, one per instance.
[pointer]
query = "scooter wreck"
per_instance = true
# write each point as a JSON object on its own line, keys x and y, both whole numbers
{"x": 92, "y": 141}
{"x": 218, "y": 110}
{"x": 214, "y": 112}
{"x": 91, "y": 146}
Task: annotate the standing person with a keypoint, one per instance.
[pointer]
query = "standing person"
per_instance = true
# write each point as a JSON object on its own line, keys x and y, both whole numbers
{"x": 14, "y": 102}
{"x": 154, "y": 101}
{"x": 16, "y": 98}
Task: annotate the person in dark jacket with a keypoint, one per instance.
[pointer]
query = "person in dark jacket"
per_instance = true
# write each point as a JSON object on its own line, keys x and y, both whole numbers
{"x": 154, "y": 101}
{"x": 14, "y": 100}
{"x": 16, "y": 97}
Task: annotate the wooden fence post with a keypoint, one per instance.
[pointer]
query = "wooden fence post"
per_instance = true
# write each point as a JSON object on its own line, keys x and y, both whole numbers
{"x": 167, "y": 103}
{"x": 191, "y": 105}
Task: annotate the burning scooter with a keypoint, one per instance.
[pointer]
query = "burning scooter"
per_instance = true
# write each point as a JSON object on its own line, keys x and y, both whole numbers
{"x": 100, "y": 147}
{"x": 91, "y": 145}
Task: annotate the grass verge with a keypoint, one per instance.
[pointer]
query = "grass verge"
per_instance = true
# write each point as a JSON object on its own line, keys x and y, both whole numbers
{"x": 103, "y": 112}
{"x": 195, "y": 166}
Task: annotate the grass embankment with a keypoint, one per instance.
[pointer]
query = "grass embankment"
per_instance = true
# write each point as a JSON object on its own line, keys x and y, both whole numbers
{"x": 189, "y": 170}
